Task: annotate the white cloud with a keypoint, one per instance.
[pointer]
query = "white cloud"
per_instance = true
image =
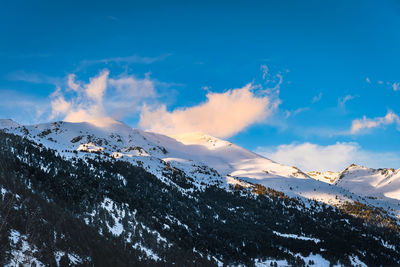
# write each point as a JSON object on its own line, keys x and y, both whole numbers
{"x": 104, "y": 97}
{"x": 86, "y": 105}
{"x": 59, "y": 105}
{"x": 222, "y": 115}
{"x": 264, "y": 69}
{"x": 130, "y": 91}
{"x": 342, "y": 101}
{"x": 295, "y": 112}
{"x": 365, "y": 123}
{"x": 278, "y": 84}
{"x": 72, "y": 84}
{"x": 87, "y": 102}
{"x": 316, "y": 98}
{"x": 271, "y": 80}
{"x": 96, "y": 87}
{"x": 396, "y": 86}
{"x": 130, "y": 86}
{"x": 336, "y": 157}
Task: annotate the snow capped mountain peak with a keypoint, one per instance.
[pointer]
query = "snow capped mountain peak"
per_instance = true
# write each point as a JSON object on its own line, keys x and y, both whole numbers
{"x": 372, "y": 183}
{"x": 7, "y": 123}
{"x": 355, "y": 167}
{"x": 199, "y": 138}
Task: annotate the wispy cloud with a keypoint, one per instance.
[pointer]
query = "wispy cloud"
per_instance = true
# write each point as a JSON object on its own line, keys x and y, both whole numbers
{"x": 343, "y": 100}
{"x": 79, "y": 101}
{"x": 113, "y": 18}
{"x": 335, "y": 157}
{"x": 321, "y": 131}
{"x": 394, "y": 85}
{"x": 102, "y": 97}
{"x": 23, "y": 108}
{"x": 291, "y": 113}
{"x": 264, "y": 69}
{"x": 295, "y": 112}
{"x": 365, "y": 123}
{"x": 272, "y": 81}
{"x": 128, "y": 59}
{"x": 316, "y": 98}
{"x": 129, "y": 92}
{"x": 32, "y": 77}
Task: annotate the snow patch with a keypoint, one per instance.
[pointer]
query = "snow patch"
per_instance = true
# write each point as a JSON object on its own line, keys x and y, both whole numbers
{"x": 90, "y": 147}
{"x": 294, "y": 236}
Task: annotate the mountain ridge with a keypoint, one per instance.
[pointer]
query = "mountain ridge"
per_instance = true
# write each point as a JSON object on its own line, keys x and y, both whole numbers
{"x": 207, "y": 160}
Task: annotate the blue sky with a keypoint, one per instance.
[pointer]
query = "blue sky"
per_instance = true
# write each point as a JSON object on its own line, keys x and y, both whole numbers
{"x": 337, "y": 61}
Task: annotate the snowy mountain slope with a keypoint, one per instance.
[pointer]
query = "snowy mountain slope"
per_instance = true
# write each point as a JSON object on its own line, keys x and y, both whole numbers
{"x": 233, "y": 161}
{"x": 119, "y": 141}
{"x": 7, "y": 123}
{"x": 149, "y": 212}
{"x": 327, "y": 177}
{"x": 188, "y": 152}
{"x": 230, "y": 159}
{"x": 373, "y": 183}
{"x": 378, "y": 184}
{"x": 85, "y": 208}
{"x": 206, "y": 159}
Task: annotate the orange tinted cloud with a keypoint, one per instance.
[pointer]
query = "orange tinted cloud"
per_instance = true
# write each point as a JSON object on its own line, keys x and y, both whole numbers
{"x": 222, "y": 114}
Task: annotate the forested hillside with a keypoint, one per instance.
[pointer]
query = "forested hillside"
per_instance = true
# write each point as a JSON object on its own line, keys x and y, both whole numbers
{"x": 107, "y": 212}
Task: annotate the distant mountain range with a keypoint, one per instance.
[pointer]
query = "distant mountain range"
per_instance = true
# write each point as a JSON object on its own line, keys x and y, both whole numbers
{"x": 189, "y": 199}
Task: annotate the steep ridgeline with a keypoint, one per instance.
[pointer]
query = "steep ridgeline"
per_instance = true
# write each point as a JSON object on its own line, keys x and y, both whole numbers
{"x": 372, "y": 183}
{"x": 75, "y": 193}
{"x": 377, "y": 184}
{"x": 205, "y": 159}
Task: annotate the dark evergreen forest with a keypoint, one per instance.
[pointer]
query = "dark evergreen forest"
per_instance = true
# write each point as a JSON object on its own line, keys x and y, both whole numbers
{"x": 58, "y": 205}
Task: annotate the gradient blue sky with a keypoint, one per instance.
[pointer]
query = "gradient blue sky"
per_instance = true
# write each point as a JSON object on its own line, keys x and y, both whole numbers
{"x": 339, "y": 61}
